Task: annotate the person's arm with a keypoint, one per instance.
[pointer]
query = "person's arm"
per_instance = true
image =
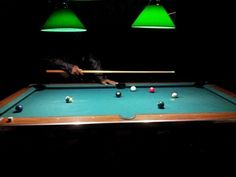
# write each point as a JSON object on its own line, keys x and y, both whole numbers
{"x": 68, "y": 67}
{"x": 95, "y": 64}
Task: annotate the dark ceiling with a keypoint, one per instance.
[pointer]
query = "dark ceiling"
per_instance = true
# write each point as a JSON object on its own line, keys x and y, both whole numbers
{"x": 107, "y": 21}
{"x": 197, "y": 38}
{"x": 95, "y": 14}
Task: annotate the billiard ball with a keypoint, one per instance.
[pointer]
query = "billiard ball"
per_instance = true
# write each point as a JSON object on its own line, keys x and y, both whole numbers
{"x": 161, "y": 105}
{"x": 10, "y": 119}
{"x": 151, "y": 89}
{"x": 68, "y": 99}
{"x": 118, "y": 94}
{"x": 174, "y": 95}
{"x": 19, "y": 108}
{"x": 133, "y": 88}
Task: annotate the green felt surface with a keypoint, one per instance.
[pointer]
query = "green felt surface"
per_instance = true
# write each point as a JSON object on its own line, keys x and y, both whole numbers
{"x": 100, "y": 100}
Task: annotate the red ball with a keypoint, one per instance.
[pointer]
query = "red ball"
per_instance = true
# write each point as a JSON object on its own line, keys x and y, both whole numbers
{"x": 152, "y": 89}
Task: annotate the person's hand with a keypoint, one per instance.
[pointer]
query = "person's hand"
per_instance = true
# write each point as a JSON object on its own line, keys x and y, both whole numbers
{"x": 108, "y": 82}
{"x": 76, "y": 70}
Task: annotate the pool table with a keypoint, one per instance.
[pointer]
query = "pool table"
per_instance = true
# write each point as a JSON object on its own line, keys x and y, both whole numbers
{"x": 97, "y": 104}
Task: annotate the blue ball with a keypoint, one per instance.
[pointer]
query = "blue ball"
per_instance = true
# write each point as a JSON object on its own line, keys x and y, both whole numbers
{"x": 19, "y": 108}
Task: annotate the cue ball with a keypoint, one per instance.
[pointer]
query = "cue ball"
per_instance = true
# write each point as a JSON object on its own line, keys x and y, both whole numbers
{"x": 133, "y": 88}
{"x": 118, "y": 94}
{"x": 174, "y": 95}
{"x": 151, "y": 89}
{"x": 19, "y": 108}
{"x": 161, "y": 105}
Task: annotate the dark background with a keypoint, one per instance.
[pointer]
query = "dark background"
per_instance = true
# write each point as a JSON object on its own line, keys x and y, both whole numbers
{"x": 200, "y": 48}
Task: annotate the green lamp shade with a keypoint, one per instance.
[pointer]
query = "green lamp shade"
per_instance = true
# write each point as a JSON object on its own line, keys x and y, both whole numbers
{"x": 153, "y": 16}
{"x": 63, "y": 20}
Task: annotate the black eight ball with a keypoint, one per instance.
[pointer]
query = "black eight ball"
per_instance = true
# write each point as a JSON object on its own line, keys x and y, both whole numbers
{"x": 161, "y": 105}
{"x": 118, "y": 94}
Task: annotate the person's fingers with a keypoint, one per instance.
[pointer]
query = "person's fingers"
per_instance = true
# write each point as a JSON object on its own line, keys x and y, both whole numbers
{"x": 77, "y": 71}
{"x": 104, "y": 82}
{"x": 112, "y": 82}
{"x": 108, "y": 81}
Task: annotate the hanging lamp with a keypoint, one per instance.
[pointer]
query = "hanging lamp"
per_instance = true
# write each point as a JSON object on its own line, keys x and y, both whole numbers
{"x": 63, "y": 19}
{"x": 154, "y": 16}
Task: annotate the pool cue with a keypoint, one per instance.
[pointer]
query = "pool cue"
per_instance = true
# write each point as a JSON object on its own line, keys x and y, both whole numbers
{"x": 111, "y": 71}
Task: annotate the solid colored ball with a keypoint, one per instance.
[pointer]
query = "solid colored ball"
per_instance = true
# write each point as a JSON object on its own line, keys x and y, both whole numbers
{"x": 19, "y": 108}
{"x": 151, "y": 89}
{"x": 118, "y": 94}
{"x": 133, "y": 88}
{"x": 174, "y": 95}
{"x": 161, "y": 105}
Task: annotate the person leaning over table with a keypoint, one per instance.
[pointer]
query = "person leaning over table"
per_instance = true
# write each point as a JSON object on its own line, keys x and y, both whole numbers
{"x": 75, "y": 68}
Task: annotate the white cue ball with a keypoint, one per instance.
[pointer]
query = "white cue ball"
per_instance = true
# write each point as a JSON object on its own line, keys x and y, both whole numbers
{"x": 174, "y": 95}
{"x": 133, "y": 88}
